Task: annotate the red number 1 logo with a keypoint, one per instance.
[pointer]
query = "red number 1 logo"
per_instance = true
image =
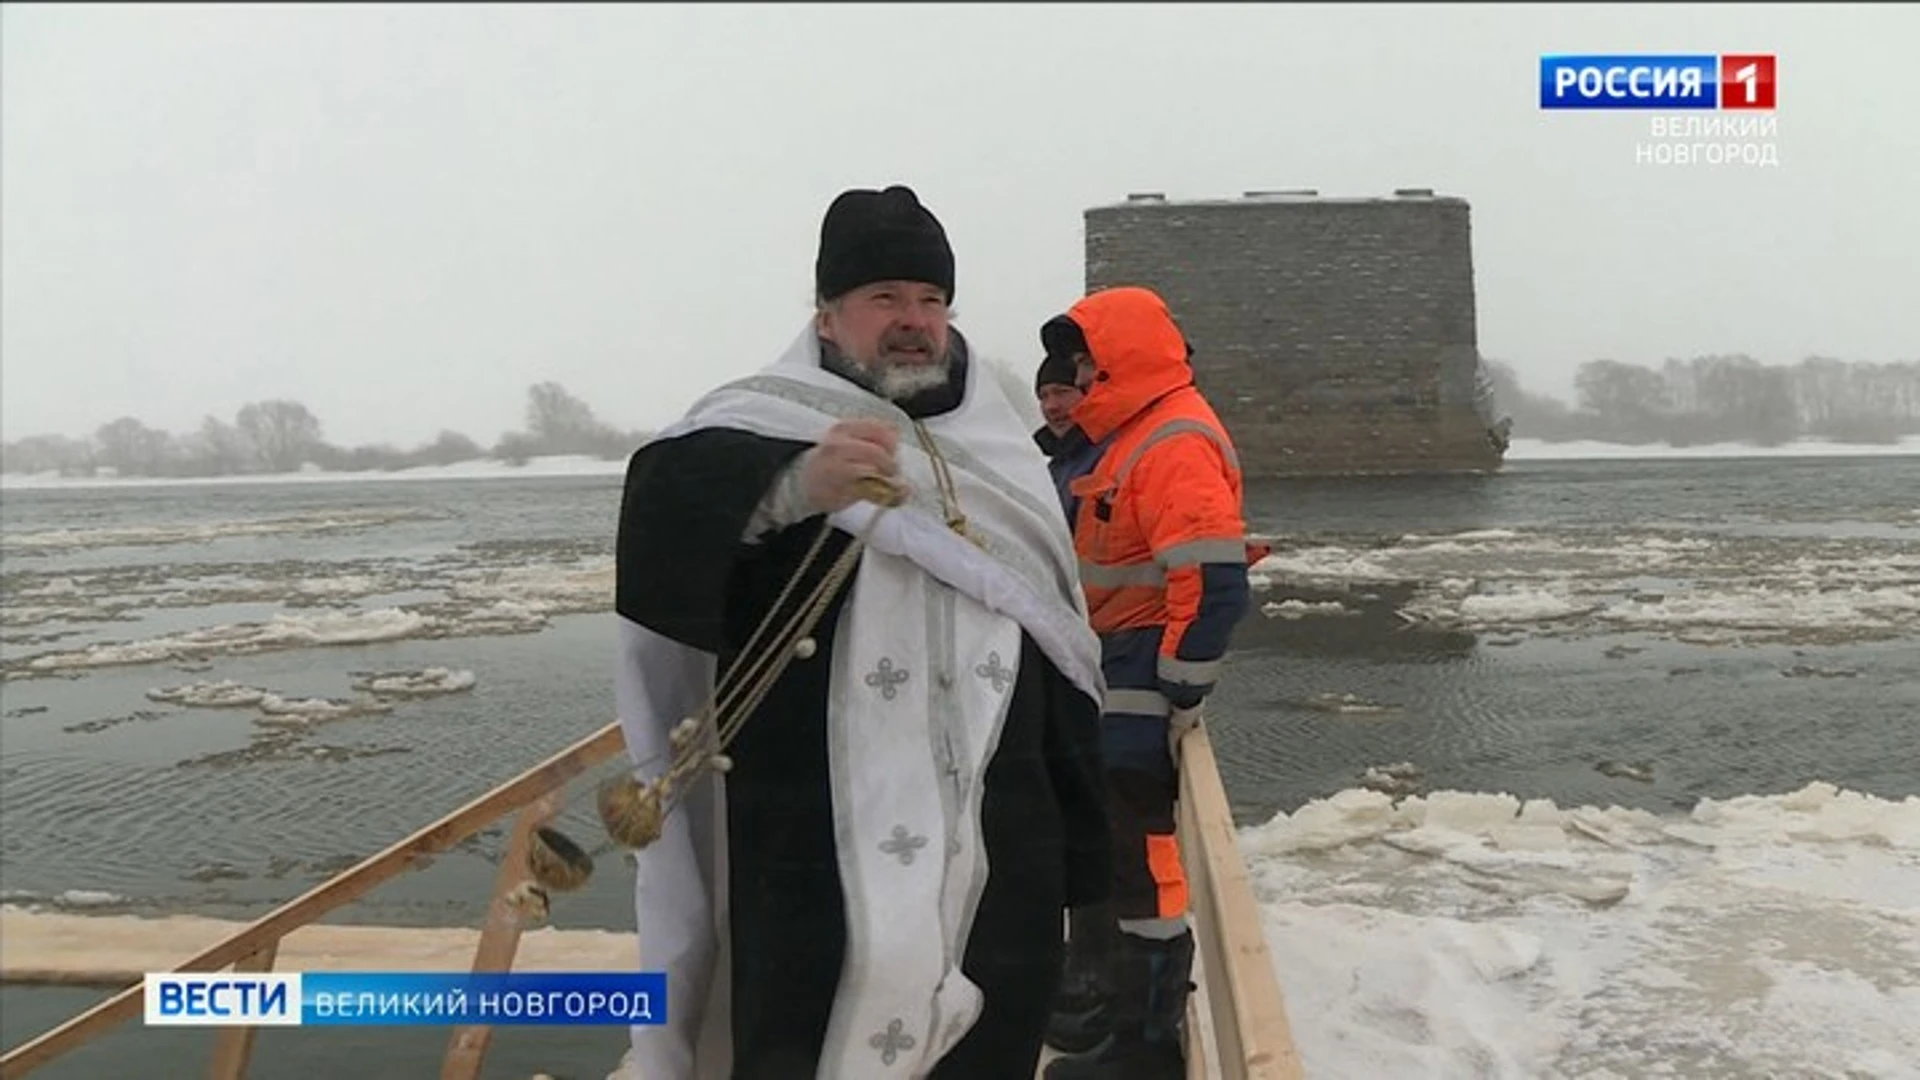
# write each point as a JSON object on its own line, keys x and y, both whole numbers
{"x": 1746, "y": 82}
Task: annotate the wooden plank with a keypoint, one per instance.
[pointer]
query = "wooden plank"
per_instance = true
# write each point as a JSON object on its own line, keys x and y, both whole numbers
{"x": 1250, "y": 1028}
{"x": 340, "y": 889}
{"x": 232, "y": 1047}
{"x": 1210, "y": 947}
{"x": 499, "y": 937}
{"x": 112, "y": 951}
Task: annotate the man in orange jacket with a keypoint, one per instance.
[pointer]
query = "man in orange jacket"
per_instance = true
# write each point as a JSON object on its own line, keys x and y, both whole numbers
{"x": 1163, "y": 554}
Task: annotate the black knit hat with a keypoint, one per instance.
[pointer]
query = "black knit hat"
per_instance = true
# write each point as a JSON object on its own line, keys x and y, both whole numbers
{"x": 1061, "y": 336}
{"x": 870, "y": 236}
{"x": 1058, "y": 369}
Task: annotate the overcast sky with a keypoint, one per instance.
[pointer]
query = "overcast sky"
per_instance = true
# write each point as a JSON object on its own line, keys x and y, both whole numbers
{"x": 403, "y": 216}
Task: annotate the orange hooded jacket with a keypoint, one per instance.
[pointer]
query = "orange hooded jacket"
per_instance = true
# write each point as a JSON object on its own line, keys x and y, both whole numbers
{"x": 1159, "y": 529}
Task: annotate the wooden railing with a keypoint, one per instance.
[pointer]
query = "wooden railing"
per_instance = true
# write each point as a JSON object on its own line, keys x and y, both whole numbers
{"x": 535, "y": 793}
{"x": 1251, "y": 1036}
{"x": 1252, "y": 1040}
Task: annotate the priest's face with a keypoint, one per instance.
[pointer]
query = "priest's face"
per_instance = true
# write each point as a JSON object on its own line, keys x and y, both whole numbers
{"x": 896, "y": 331}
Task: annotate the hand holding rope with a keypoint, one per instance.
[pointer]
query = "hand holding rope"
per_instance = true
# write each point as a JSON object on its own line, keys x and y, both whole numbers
{"x": 633, "y": 811}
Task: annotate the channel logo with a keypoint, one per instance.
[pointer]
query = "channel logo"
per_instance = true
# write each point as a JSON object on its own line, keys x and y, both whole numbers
{"x": 221, "y": 998}
{"x": 1709, "y": 81}
{"x": 413, "y": 998}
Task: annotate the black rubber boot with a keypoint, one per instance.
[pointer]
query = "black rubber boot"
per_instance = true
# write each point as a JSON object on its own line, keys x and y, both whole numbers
{"x": 1082, "y": 1015}
{"x": 1151, "y": 982}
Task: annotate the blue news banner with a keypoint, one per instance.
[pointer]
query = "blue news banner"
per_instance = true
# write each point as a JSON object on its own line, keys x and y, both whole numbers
{"x": 423, "y": 999}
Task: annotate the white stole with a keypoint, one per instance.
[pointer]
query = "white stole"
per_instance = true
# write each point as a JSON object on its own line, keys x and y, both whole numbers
{"x": 924, "y": 665}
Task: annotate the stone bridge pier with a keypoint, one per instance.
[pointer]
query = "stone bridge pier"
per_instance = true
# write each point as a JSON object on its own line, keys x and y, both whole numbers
{"x": 1333, "y": 335}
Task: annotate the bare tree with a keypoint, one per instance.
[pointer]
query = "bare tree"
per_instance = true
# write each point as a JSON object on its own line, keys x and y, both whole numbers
{"x": 48, "y": 453}
{"x": 1629, "y": 400}
{"x": 559, "y": 422}
{"x": 1857, "y": 402}
{"x": 449, "y": 448}
{"x": 226, "y": 448}
{"x": 131, "y": 448}
{"x": 1739, "y": 398}
{"x": 283, "y": 434}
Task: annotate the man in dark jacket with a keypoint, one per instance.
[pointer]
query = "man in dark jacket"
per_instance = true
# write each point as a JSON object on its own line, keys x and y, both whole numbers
{"x": 1080, "y": 1018}
{"x": 1069, "y": 452}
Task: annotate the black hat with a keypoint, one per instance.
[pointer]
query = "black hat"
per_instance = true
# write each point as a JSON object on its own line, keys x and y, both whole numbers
{"x": 1061, "y": 336}
{"x": 1058, "y": 369}
{"x": 870, "y": 236}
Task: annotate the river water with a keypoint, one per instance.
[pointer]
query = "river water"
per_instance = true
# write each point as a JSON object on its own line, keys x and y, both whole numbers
{"x": 1590, "y": 768}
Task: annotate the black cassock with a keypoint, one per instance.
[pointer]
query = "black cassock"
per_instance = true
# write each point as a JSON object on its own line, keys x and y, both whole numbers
{"x": 684, "y": 572}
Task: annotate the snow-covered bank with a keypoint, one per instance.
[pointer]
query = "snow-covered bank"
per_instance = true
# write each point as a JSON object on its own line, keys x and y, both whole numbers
{"x": 1587, "y": 450}
{"x": 1470, "y": 935}
{"x": 489, "y": 469}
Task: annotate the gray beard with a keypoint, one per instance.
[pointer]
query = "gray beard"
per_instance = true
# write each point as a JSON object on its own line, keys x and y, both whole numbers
{"x": 900, "y": 383}
{"x": 896, "y": 383}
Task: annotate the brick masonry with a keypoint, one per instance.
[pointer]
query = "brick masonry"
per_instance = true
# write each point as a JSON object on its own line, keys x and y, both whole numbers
{"x": 1333, "y": 336}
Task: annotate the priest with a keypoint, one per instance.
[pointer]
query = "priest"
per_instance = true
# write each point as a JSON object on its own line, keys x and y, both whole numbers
{"x": 874, "y": 887}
